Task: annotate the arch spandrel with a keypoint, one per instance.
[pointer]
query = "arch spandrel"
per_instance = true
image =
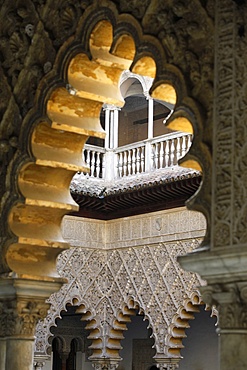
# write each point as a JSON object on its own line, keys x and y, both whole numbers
{"x": 67, "y": 37}
{"x": 108, "y": 11}
{"x": 110, "y": 286}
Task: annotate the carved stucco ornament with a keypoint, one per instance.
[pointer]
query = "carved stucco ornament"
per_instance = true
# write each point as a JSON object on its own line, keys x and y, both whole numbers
{"x": 110, "y": 286}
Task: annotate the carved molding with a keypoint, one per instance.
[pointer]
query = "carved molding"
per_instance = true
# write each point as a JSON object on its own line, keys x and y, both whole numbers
{"x": 230, "y": 183}
{"x": 224, "y": 122}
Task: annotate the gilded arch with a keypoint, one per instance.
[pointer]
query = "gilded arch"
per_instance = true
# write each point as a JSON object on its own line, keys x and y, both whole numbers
{"x": 125, "y": 27}
{"x": 20, "y": 121}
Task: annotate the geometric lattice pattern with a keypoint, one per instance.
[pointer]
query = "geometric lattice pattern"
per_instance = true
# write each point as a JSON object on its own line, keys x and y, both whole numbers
{"x": 103, "y": 282}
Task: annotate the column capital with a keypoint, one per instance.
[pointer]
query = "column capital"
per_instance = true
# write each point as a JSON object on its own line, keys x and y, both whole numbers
{"x": 19, "y": 318}
{"x": 22, "y": 305}
{"x": 231, "y": 302}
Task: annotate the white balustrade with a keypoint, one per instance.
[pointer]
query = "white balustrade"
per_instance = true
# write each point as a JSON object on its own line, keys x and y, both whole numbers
{"x": 144, "y": 156}
{"x": 130, "y": 159}
{"x": 94, "y": 157}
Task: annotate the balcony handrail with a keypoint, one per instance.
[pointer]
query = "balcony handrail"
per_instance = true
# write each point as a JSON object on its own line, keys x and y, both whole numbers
{"x": 152, "y": 140}
{"x": 95, "y": 148}
{"x": 140, "y": 157}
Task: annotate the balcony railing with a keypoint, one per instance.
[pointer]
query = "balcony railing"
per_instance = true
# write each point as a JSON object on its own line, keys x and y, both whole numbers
{"x": 133, "y": 159}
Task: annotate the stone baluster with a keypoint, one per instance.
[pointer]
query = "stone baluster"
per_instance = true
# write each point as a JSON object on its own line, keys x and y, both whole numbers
{"x": 143, "y": 159}
{"x": 103, "y": 166}
{"x": 161, "y": 155}
{"x": 134, "y": 161}
{"x": 92, "y": 164}
{"x": 172, "y": 152}
{"x": 184, "y": 146}
{"x": 178, "y": 149}
{"x": 156, "y": 156}
{"x": 129, "y": 160}
{"x": 167, "y": 152}
{"x": 97, "y": 165}
{"x": 138, "y": 160}
{"x": 120, "y": 164}
{"x": 88, "y": 154}
{"x": 125, "y": 162}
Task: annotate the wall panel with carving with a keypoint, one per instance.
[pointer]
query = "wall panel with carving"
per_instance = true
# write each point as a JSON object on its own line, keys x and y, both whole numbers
{"x": 108, "y": 283}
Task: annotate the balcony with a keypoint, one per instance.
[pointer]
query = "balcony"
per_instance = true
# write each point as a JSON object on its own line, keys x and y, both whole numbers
{"x": 127, "y": 177}
{"x": 147, "y": 156}
{"x": 135, "y": 178}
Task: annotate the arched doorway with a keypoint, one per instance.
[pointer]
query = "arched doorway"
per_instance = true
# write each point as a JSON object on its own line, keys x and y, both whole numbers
{"x": 70, "y": 346}
{"x": 201, "y": 342}
{"x": 137, "y": 346}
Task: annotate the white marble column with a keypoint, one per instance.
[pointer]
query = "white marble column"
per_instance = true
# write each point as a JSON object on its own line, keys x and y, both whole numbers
{"x": 115, "y": 126}
{"x": 22, "y": 304}
{"x": 19, "y": 353}
{"x": 111, "y": 141}
{"x": 231, "y": 302}
{"x": 150, "y": 118}
{"x": 111, "y": 126}
{"x": 107, "y": 127}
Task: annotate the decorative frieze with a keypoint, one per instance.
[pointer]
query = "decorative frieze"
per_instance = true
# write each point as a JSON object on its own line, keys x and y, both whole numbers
{"x": 139, "y": 230}
{"x": 224, "y": 132}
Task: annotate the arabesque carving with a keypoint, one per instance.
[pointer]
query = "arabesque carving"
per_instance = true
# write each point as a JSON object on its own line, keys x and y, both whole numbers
{"x": 112, "y": 285}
